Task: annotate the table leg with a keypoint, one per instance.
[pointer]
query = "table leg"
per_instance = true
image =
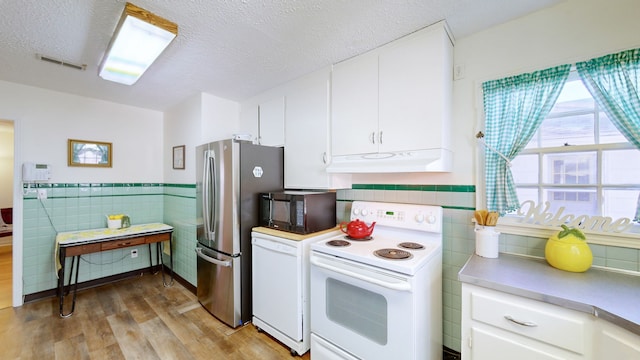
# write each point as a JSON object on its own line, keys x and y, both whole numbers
{"x": 158, "y": 257}
{"x": 75, "y": 287}
{"x": 73, "y": 261}
{"x": 151, "y": 266}
{"x": 61, "y": 257}
{"x": 171, "y": 259}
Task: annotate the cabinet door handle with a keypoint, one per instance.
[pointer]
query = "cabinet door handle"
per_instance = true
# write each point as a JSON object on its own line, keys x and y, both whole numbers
{"x": 324, "y": 157}
{"x": 372, "y": 137}
{"x": 380, "y": 138}
{"x": 520, "y": 322}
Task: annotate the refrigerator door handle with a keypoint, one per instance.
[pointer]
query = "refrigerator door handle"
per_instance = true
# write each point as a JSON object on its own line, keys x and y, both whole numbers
{"x": 201, "y": 255}
{"x": 208, "y": 196}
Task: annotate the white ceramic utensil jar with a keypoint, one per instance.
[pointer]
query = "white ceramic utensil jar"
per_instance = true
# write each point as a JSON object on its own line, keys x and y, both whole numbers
{"x": 487, "y": 241}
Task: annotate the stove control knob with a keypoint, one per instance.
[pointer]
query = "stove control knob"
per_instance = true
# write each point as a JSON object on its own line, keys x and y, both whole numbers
{"x": 356, "y": 211}
{"x": 364, "y": 212}
{"x": 431, "y": 219}
{"x": 419, "y": 218}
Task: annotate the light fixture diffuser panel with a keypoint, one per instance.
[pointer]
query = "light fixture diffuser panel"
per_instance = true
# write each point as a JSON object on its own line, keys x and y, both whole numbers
{"x": 136, "y": 45}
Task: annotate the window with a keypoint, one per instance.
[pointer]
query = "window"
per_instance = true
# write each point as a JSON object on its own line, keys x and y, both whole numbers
{"x": 579, "y": 160}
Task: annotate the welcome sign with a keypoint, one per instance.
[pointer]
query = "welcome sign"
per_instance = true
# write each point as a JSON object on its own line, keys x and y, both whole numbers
{"x": 541, "y": 215}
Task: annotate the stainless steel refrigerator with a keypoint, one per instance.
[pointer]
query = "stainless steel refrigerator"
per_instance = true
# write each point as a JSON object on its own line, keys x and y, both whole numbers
{"x": 230, "y": 174}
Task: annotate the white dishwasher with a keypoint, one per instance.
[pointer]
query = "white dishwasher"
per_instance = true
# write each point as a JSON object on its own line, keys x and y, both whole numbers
{"x": 280, "y": 278}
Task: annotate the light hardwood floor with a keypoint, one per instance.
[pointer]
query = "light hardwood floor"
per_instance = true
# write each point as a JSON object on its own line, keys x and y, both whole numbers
{"x": 130, "y": 319}
{"x": 6, "y": 272}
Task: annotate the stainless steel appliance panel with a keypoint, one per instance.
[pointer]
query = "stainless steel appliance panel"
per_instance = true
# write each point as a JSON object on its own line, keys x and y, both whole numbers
{"x": 218, "y": 284}
{"x": 230, "y": 175}
{"x": 215, "y": 194}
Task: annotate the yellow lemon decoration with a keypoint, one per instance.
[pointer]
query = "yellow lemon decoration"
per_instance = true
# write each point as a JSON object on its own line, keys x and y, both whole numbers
{"x": 568, "y": 250}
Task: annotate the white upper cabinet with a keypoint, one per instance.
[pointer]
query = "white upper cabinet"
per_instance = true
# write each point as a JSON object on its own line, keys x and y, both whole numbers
{"x": 271, "y": 122}
{"x": 306, "y": 137}
{"x": 354, "y": 95}
{"x": 306, "y": 150}
{"x": 394, "y": 103}
{"x": 415, "y": 89}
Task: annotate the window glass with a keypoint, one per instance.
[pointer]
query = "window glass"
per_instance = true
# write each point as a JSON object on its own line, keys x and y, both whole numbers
{"x": 568, "y": 130}
{"x": 609, "y": 134}
{"x": 570, "y": 168}
{"x": 526, "y": 194}
{"x": 619, "y": 203}
{"x": 574, "y": 97}
{"x": 618, "y": 166}
{"x": 524, "y": 169}
{"x": 579, "y": 160}
{"x": 574, "y": 200}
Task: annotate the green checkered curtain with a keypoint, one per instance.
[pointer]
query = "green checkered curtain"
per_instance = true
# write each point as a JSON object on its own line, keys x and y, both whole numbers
{"x": 514, "y": 108}
{"x": 614, "y": 81}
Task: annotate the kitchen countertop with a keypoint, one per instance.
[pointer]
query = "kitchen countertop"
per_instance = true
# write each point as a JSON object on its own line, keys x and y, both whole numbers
{"x": 609, "y": 295}
{"x": 290, "y": 235}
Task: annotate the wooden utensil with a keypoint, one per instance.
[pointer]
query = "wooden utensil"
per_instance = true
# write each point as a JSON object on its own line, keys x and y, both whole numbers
{"x": 492, "y": 219}
{"x": 478, "y": 217}
{"x": 484, "y": 214}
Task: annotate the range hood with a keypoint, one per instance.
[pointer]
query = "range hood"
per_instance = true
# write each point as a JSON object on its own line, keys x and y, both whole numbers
{"x": 426, "y": 160}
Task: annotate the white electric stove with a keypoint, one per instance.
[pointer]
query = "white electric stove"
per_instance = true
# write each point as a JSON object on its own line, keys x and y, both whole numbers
{"x": 409, "y": 234}
{"x": 368, "y": 306}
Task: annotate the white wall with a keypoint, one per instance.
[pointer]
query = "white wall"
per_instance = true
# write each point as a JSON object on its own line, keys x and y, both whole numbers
{"x": 182, "y": 127}
{"x": 50, "y": 118}
{"x": 220, "y": 118}
{"x": 574, "y": 30}
{"x": 198, "y": 120}
{"x": 6, "y": 164}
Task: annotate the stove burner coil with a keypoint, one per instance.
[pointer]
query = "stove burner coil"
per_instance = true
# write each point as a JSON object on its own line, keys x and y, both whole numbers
{"x": 411, "y": 245}
{"x": 338, "y": 243}
{"x": 393, "y": 254}
{"x": 358, "y": 239}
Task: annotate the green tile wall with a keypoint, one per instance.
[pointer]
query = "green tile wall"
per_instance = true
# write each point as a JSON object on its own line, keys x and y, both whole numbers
{"x": 180, "y": 212}
{"x": 458, "y": 202}
{"x": 71, "y": 207}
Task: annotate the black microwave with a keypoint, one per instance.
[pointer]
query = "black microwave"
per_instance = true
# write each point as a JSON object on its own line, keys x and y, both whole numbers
{"x": 300, "y": 212}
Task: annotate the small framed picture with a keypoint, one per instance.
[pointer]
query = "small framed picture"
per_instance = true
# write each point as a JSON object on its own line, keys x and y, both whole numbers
{"x": 178, "y": 157}
{"x": 89, "y": 153}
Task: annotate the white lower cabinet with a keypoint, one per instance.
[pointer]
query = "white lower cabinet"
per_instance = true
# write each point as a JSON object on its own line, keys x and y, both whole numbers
{"x": 497, "y": 325}
{"x": 614, "y": 342}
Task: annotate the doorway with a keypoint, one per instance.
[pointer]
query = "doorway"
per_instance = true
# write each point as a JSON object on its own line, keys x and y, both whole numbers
{"x": 6, "y": 212}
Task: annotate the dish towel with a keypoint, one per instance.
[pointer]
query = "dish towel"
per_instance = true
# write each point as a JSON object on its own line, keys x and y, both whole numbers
{"x": 166, "y": 247}
{"x": 55, "y": 256}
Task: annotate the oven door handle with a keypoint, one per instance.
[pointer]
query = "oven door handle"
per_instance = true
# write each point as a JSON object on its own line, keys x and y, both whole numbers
{"x": 400, "y": 286}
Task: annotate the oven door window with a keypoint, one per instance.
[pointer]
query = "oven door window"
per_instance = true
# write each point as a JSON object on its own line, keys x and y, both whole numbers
{"x": 357, "y": 309}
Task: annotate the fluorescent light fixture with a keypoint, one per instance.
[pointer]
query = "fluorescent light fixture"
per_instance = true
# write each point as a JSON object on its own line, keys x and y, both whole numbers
{"x": 139, "y": 39}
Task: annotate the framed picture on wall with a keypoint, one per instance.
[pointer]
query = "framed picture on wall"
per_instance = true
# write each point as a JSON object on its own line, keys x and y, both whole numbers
{"x": 178, "y": 157}
{"x": 89, "y": 153}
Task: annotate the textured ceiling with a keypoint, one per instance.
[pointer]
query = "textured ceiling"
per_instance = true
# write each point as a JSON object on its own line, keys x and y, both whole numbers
{"x": 232, "y": 49}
